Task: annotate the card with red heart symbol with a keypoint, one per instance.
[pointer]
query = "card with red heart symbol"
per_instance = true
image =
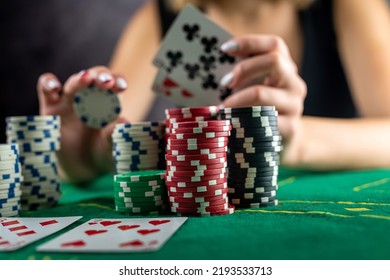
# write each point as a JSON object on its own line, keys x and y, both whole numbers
{"x": 173, "y": 91}
{"x": 16, "y": 233}
{"x": 116, "y": 235}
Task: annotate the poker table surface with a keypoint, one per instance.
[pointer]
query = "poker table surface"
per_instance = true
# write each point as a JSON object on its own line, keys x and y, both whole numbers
{"x": 320, "y": 216}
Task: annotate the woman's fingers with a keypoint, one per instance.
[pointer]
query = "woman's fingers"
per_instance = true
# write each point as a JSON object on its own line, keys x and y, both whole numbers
{"x": 48, "y": 88}
{"x": 248, "y": 45}
{"x": 271, "y": 66}
{"x": 260, "y": 95}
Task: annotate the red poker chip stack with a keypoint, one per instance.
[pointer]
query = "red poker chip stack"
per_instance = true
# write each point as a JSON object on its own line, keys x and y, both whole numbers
{"x": 196, "y": 163}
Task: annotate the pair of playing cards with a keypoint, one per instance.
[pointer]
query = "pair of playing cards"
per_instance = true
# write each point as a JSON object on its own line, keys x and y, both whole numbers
{"x": 96, "y": 235}
{"x": 190, "y": 62}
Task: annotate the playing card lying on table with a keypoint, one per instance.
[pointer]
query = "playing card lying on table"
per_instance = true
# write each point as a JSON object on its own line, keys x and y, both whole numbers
{"x": 16, "y": 233}
{"x": 116, "y": 235}
{"x": 190, "y": 57}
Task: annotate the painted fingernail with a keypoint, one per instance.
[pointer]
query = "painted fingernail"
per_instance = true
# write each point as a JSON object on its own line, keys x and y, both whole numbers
{"x": 229, "y": 46}
{"x": 121, "y": 83}
{"x": 83, "y": 74}
{"x": 227, "y": 79}
{"x": 104, "y": 78}
{"x": 52, "y": 84}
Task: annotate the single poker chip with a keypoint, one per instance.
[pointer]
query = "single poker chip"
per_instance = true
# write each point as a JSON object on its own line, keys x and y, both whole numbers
{"x": 198, "y": 152}
{"x": 140, "y": 176}
{"x": 9, "y": 148}
{"x": 139, "y": 184}
{"x": 255, "y": 139}
{"x": 149, "y": 207}
{"x": 240, "y": 185}
{"x": 254, "y": 150}
{"x": 191, "y": 147}
{"x": 190, "y": 118}
{"x": 9, "y": 158}
{"x": 196, "y": 178}
{"x": 249, "y": 109}
{"x": 195, "y": 157}
{"x": 196, "y": 141}
{"x": 188, "y": 174}
{"x": 40, "y": 147}
{"x": 198, "y": 199}
{"x": 206, "y": 135}
{"x": 197, "y": 167}
{"x": 236, "y": 190}
{"x": 196, "y": 190}
{"x": 197, "y": 162}
{"x": 259, "y": 135}
{"x": 193, "y": 110}
{"x": 239, "y": 161}
{"x": 32, "y": 127}
{"x": 212, "y": 182}
{"x": 254, "y": 180}
{"x": 258, "y": 205}
{"x": 252, "y": 125}
{"x": 252, "y": 195}
{"x": 33, "y": 135}
{"x": 261, "y": 156}
{"x": 202, "y": 129}
{"x": 250, "y": 175}
{"x": 249, "y": 120}
{"x": 239, "y": 144}
{"x": 266, "y": 131}
{"x": 9, "y": 186}
{"x": 96, "y": 107}
{"x": 18, "y": 119}
{"x": 197, "y": 194}
{"x": 200, "y": 124}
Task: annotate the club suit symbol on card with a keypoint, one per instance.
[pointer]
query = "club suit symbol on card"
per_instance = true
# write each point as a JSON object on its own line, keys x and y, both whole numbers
{"x": 190, "y": 55}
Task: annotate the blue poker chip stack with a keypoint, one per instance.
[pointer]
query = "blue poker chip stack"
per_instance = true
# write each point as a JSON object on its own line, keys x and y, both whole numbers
{"x": 38, "y": 138}
{"x": 253, "y": 156}
{"x": 10, "y": 180}
{"x": 138, "y": 146}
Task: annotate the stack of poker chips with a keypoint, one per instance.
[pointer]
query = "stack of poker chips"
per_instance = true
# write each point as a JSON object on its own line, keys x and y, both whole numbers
{"x": 140, "y": 192}
{"x": 253, "y": 158}
{"x": 10, "y": 180}
{"x": 177, "y": 115}
{"x": 196, "y": 168}
{"x": 138, "y": 146}
{"x": 39, "y": 139}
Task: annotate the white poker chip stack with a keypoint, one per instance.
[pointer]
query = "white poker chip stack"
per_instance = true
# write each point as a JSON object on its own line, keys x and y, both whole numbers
{"x": 38, "y": 138}
{"x": 10, "y": 180}
{"x": 138, "y": 146}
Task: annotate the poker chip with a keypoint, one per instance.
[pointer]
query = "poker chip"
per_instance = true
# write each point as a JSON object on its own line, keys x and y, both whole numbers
{"x": 10, "y": 178}
{"x": 253, "y": 156}
{"x": 38, "y": 139}
{"x": 140, "y": 192}
{"x": 96, "y": 107}
{"x": 138, "y": 146}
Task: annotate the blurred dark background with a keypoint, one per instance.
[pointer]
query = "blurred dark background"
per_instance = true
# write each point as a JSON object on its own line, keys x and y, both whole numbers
{"x": 60, "y": 36}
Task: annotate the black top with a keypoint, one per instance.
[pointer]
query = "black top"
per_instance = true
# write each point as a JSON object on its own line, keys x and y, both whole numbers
{"x": 328, "y": 92}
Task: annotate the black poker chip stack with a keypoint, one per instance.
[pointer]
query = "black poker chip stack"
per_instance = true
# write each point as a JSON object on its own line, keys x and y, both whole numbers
{"x": 253, "y": 156}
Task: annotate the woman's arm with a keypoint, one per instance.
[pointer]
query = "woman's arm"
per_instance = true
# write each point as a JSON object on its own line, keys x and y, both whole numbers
{"x": 363, "y": 32}
{"x": 133, "y": 59}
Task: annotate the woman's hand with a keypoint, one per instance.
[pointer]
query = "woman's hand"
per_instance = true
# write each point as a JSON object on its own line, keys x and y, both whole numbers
{"x": 83, "y": 149}
{"x": 266, "y": 76}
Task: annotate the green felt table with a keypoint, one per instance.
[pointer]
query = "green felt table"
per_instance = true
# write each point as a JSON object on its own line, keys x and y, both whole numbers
{"x": 342, "y": 215}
